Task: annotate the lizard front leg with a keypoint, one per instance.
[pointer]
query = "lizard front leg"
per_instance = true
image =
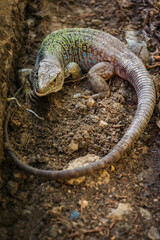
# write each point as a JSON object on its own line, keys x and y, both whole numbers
{"x": 73, "y": 70}
{"x": 23, "y": 76}
{"x": 97, "y": 77}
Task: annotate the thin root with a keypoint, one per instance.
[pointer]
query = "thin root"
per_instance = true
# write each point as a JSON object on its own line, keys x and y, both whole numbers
{"x": 85, "y": 231}
{"x": 27, "y": 109}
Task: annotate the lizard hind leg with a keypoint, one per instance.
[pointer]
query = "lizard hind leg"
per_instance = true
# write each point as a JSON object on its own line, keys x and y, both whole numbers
{"x": 97, "y": 76}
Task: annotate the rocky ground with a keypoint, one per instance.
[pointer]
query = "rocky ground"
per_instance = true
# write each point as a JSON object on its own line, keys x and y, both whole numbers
{"x": 121, "y": 202}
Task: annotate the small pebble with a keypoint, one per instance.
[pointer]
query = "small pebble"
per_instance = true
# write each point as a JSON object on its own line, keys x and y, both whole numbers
{"x": 17, "y": 175}
{"x": 75, "y": 215}
{"x": 120, "y": 212}
{"x": 153, "y": 233}
{"x": 141, "y": 51}
{"x": 30, "y": 22}
{"x": 112, "y": 168}
{"x": 77, "y": 95}
{"x": 81, "y": 106}
{"x": 94, "y": 118}
{"x": 82, "y": 161}
{"x": 96, "y": 22}
{"x": 73, "y": 146}
{"x": 90, "y": 102}
{"x": 79, "y": 162}
{"x": 131, "y": 36}
{"x": 26, "y": 213}
{"x": 145, "y": 214}
{"x": 86, "y": 134}
{"x": 54, "y": 230}
{"x": 103, "y": 124}
{"x": 145, "y": 150}
{"x": 12, "y": 187}
{"x": 92, "y": 2}
{"x": 83, "y": 203}
{"x": 125, "y": 3}
{"x": 15, "y": 123}
{"x": 24, "y": 139}
{"x": 55, "y": 211}
{"x": 32, "y": 36}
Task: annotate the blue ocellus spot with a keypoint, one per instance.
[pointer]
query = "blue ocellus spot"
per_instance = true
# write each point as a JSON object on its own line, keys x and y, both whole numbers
{"x": 82, "y": 59}
{"x": 70, "y": 51}
{"x": 89, "y": 61}
{"x": 84, "y": 54}
{"x": 90, "y": 55}
{"x": 94, "y": 61}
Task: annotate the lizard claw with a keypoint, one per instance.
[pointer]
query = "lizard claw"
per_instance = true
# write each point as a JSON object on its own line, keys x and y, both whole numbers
{"x": 23, "y": 75}
{"x": 30, "y": 96}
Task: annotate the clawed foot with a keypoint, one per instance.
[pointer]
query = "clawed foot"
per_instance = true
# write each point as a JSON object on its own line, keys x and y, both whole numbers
{"x": 30, "y": 95}
{"x": 23, "y": 76}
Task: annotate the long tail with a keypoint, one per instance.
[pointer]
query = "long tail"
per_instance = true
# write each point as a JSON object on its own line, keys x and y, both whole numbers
{"x": 135, "y": 72}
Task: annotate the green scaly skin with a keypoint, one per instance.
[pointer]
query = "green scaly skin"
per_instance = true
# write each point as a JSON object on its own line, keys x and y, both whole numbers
{"x": 64, "y": 53}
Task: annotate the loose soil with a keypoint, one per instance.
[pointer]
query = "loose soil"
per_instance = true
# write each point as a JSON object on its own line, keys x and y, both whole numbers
{"x": 33, "y": 208}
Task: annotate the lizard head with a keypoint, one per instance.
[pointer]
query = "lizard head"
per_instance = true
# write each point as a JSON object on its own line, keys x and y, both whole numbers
{"x": 46, "y": 77}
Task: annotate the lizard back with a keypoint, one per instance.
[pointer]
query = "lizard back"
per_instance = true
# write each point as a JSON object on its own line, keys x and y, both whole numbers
{"x": 86, "y": 47}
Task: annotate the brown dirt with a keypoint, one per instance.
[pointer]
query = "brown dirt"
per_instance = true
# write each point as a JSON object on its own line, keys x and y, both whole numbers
{"x": 11, "y": 23}
{"x": 36, "y": 209}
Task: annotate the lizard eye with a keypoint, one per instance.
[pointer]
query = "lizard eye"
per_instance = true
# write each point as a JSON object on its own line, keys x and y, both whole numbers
{"x": 54, "y": 80}
{"x": 36, "y": 75}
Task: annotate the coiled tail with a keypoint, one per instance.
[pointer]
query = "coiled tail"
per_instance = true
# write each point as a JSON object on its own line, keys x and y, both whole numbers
{"x": 132, "y": 70}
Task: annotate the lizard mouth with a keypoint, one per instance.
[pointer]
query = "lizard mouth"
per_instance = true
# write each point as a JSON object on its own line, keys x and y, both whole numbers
{"x": 44, "y": 92}
{"x": 41, "y": 94}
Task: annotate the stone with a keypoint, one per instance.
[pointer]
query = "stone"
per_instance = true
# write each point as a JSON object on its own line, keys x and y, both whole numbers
{"x": 75, "y": 215}
{"x": 83, "y": 203}
{"x": 103, "y": 124}
{"x": 145, "y": 214}
{"x": 55, "y": 211}
{"x": 153, "y": 233}
{"x": 54, "y": 230}
{"x": 80, "y": 162}
{"x": 91, "y": 102}
{"x": 81, "y": 106}
{"x": 26, "y": 213}
{"x": 12, "y": 187}
{"x": 96, "y": 22}
{"x": 122, "y": 210}
{"x": 77, "y": 95}
{"x": 73, "y": 146}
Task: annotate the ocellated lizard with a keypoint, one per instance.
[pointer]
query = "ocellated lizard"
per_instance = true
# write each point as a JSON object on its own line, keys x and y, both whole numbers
{"x": 68, "y": 51}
